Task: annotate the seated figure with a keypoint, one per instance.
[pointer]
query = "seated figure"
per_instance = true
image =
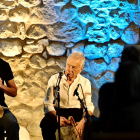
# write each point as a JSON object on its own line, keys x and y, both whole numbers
{"x": 8, "y": 121}
{"x": 108, "y": 93}
{"x": 69, "y": 105}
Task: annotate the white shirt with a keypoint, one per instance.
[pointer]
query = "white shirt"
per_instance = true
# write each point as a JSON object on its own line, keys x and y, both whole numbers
{"x": 67, "y": 100}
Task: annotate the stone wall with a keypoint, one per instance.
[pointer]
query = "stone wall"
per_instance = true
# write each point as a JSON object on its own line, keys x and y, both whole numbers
{"x": 36, "y": 36}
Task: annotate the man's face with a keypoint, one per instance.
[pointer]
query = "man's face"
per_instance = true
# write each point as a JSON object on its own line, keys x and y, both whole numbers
{"x": 73, "y": 68}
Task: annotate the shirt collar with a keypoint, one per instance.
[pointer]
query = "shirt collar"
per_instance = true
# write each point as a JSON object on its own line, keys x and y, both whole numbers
{"x": 65, "y": 78}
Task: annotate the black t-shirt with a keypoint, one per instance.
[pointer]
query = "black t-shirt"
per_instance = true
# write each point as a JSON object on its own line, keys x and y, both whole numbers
{"x": 6, "y": 75}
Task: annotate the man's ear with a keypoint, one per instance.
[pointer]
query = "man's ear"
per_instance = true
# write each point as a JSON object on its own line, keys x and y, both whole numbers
{"x": 82, "y": 68}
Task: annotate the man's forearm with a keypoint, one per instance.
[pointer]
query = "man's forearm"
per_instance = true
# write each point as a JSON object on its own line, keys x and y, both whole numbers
{"x": 11, "y": 91}
{"x": 84, "y": 119}
{"x": 90, "y": 113}
{"x": 52, "y": 113}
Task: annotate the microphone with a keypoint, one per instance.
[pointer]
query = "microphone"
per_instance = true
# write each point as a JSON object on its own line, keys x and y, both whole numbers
{"x": 75, "y": 91}
{"x": 57, "y": 85}
{"x": 61, "y": 73}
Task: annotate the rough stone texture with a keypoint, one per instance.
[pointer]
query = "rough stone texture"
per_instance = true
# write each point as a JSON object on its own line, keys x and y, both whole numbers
{"x": 7, "y": 4}
{"x": 114, "y": 64}
{"x": 95, "y": 3}
{"x": 37, "y": 62}
{"x": 44, "y": 54}
{"x": 10, "y": 47}
{"x": 68, "y": 12}
{"x": 37, "y": 36}
{"x": 33, "y": 48}
{"x": 108, "y": 4}
{"x": 119, "y": 18}
{"x": 136, "y": 18}
{"x": 30, "y": 41}
{"x": 129, "y": 4}
{"x": 34, "y": 129}
{"x": 80, "y": 3}
{"x": 99, "y": 82}
{"x": 115, "y": 48}
{"x": 36, "y": 31}
{"x": 66, "y": 32}
{"x": 86, "y": 14}
{"x": 78, "y": 47}
{"x": 95, "y": 51}
{"x": 18, "y": 63}
{"x": 69, "y": 44}
{"x": 107, "y": 59}
{"x": 29, "y": 96}
{"x": 29, "y": 3}
{"x": 59, "y": 2}
{"x": 131, "y": 34}
{"x": 44, "y": 15}
{"x": 51, "y": 61}
{"x": 44, "y": 42}
{"x": 3, "y": 15}
{"x": 18, "y": 78}
{"x": 21, "y": 31}
{"x": 8, "y": 29}
{"x": 96, "y": 33}
{"x": 23, "y": 134}
{"x": 56, "y": 49}
{"x": 114, "y": 32}
{"x": 61, "y": 62}
{"x": 24, "y": 116}
{"x": 19, "y": 14}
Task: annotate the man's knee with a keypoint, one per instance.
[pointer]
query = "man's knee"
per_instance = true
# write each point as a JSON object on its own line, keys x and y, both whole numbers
{"x": 48, "y": 122}
{"x": 13, "y": 124}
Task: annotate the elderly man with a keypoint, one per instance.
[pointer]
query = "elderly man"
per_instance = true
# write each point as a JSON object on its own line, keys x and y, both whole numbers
{"x": 69, "y": 104}
{"x": 8, "y": 121}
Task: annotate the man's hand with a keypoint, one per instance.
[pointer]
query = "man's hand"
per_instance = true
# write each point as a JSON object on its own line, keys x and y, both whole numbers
{"x": 63, "y": 121}
{"x": 0, "y": 82}
{"x": 80, "y": 127}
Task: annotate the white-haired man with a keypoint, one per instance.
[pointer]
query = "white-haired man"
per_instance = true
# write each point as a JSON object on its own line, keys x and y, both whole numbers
{"x": 69, "y": 104}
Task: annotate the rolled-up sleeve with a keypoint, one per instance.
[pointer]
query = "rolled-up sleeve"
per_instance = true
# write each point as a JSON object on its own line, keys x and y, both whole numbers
{"x": 87, "y": 93}
{"x": 48, "y": 102}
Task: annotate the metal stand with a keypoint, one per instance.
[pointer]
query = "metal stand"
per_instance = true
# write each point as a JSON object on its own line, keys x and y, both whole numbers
{"x": 57, "y": 96}
{"x": 87, "y": 114}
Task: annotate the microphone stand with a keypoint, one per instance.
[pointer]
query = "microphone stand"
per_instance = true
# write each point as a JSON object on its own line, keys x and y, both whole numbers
{"x": 87, "y": 114}
{"x": 57, "y": 96}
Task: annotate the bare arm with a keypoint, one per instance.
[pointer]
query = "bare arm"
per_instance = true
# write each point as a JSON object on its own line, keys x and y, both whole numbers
{"x": 10, "y": 89}
{"x": 63, "y": 120}
{"x": 80, "y": 126}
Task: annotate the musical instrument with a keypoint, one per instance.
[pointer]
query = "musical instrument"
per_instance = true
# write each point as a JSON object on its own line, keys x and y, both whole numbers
{"x": 72, "y": 121}
{"x": 2, "y": 110}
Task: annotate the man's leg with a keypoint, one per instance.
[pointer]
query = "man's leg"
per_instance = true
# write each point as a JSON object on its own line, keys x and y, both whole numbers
{"x": 9, "y": 123}
{"x": 48, "y": 127}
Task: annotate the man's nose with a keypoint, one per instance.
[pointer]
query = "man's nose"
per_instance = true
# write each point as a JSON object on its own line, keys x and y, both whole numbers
{"x": 70, "y": 68}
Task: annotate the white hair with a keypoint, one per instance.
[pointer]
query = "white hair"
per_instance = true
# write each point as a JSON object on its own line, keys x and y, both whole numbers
{"x": 78, "y": 56}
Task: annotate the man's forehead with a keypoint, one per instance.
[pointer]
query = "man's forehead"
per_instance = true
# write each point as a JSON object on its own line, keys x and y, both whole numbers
{"x": 73, "y": 62}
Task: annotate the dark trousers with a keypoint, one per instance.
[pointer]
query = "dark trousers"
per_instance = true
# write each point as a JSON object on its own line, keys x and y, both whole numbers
{"x": 9, "y": 123}
{"x": 49, "y": 123}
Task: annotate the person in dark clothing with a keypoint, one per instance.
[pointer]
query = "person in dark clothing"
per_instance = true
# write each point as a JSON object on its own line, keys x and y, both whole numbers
{"x": 106, "y": 92}
{"x": 8, "y": 121}
{"x": 125, "y": 114}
